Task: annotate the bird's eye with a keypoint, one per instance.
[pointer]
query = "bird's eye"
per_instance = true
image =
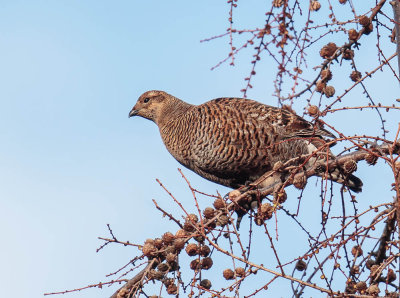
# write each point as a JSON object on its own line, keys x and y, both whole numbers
{"x": 146, "y": 100}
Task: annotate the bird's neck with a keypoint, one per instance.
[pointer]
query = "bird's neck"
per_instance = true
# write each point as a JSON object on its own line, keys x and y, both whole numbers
{"x": 172, "y": 111}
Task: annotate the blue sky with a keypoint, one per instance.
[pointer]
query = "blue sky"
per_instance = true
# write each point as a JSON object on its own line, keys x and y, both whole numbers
{"x": 70, "y": 159}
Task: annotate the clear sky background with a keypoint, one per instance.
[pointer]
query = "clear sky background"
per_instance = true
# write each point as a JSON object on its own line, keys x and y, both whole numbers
{"x": 70, "y": 159}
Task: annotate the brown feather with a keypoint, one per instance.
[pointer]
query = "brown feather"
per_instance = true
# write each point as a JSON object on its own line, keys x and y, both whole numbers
{"x": 231, "y": 141}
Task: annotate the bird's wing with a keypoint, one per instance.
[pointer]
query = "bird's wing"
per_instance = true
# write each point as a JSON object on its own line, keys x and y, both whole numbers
{"x": 295, "y": 126}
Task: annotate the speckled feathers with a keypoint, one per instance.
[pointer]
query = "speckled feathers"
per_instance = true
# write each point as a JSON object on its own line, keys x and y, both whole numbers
{"x": 231, "y": 141}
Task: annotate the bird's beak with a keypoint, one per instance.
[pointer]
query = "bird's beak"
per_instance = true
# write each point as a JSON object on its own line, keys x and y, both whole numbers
{"x": 133, "y": 112}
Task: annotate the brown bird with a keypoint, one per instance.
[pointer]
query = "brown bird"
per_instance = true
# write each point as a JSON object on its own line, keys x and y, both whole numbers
{"x": 234, "y": 141}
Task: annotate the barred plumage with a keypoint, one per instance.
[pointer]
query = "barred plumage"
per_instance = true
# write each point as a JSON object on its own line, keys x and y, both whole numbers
{"x": 233, "y": 141}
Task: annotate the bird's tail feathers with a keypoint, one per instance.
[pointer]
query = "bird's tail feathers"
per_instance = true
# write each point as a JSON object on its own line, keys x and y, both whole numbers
{"x": 352, "y": 182}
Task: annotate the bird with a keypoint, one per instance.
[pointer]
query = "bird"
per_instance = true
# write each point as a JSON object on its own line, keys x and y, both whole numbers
{"x": 234, "y": 141}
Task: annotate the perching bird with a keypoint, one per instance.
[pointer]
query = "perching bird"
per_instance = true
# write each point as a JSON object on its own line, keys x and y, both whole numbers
{"x": 233, "y": 141}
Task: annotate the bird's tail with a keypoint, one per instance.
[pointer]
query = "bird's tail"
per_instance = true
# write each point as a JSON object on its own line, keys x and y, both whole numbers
{"x": 351, "y": 181}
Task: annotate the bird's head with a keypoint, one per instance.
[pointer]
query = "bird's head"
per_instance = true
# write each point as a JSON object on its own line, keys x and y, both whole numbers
{"x": 150, "y": 105}
{"x": 159, "y": 106}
